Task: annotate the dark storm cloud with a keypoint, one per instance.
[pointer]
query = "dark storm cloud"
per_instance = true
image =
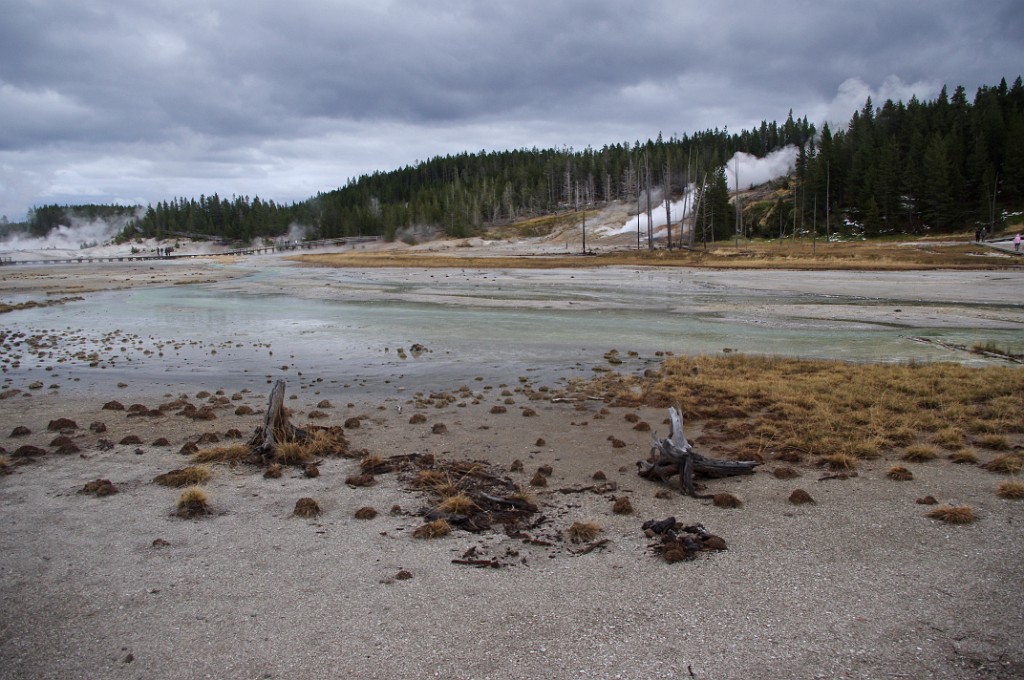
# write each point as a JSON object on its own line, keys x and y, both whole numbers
{"x": 143, "y": 100}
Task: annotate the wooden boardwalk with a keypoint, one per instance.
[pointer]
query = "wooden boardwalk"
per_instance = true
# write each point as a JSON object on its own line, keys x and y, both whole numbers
{"x": 300, "y": 245}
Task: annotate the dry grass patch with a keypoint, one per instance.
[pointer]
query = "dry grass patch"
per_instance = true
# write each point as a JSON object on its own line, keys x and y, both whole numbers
{"x": 953, "y": 514}
{"x": 222, "y": 454}
{"x": 899, "y": 473}
{"x": 949, "y": 438}
{"x": 1009, "y": 464}
{"x": 800, "y": 408}
{"x": 193, "y": 502}
{"x": 840, "y": 462}
{"x": 435, "y": 529}
{"x": 458, "y": 504}
{"x": 1011, "y": 490}
{"x": 996, "y": 442}
{"x": 192, "y": 475}
{"x": 964, "y": 457}
{"x": 583, "y": 532}
{"x": 920, "y": 453}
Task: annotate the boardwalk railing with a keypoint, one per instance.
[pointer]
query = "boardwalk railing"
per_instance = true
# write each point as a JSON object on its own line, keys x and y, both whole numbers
{"x": 298, "y": 245}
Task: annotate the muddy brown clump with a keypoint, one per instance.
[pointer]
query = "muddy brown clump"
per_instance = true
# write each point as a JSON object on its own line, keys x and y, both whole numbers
{"x": 130, "y": 440}
{"x": 540, "y": 442}
{"x": 622, "y": 506}
{"x": 366, "y": 513}
{"x": 439, "y": 428}
{"x": 98, "y": 427}
{"x": 785, "y": 472}
{"x": 538, "y": 480}
{"x": 306, "y": 507}
{"x": 99, "y": 488}
{"x": 188, "y": 449}
{"x": 28, "y": 451}
{"x": 61, "y": 424}
{"x": 311, "y": 470}
{"x": 516, "y": 466}
{"x": 726, "y": 500}
{"x": 417, "y": 418}
{"x": 360, "y": 480}
{"x": 20, "y": 431}
{"x": 498, "y": 409}
{"x": 599, "y": 476}
{"x": 800, "y": 497}
{"x": 899, "y": 473}
{"x": 926, "y": 500}
{"x": 113, "y": 406}
{"x": 244, "y": 411}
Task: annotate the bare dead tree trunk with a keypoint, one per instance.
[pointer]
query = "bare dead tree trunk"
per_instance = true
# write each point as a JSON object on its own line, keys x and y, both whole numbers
{"x": 276, "y": 428}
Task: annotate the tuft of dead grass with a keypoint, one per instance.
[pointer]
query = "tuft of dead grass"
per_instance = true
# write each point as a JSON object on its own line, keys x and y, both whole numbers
{"x": 222, "y": 454}
{"x": 1008, "y": 464}
{"x": 840, "y": 462}
{"x": 458, "y": 504}
{"x": 192, "y": 475}
{"x": 964, "y": 457}
{"x": 920, "y": 453}
{"x": 306, "y": 507}
{"x": 583, "y": 532}
{"x": 1011, "y": 490}
{"x": 435, "y": 529}
{"x": 899, "y": 473}
{"x": 193, "y": 502}
{"x": 953, "y": 514}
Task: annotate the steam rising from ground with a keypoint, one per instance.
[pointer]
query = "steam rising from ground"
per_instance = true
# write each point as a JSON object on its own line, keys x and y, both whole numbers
{"x": 74, "y": 236}
{"x": 754, "y": 171}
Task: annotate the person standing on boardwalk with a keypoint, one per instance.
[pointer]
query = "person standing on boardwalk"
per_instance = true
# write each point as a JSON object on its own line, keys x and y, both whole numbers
{"x": 1016, "y": 243}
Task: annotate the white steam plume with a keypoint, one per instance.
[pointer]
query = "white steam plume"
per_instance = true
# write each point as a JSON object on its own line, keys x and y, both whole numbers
{"x": 754, "y": 171}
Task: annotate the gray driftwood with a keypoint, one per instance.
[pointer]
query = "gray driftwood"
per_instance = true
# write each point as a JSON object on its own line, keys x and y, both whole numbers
{"x": 675, "y": 455}
{"x": 276, "y": 428}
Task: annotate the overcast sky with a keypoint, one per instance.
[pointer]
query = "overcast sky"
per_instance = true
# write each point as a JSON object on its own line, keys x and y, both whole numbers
{"x": 137, "y": 101}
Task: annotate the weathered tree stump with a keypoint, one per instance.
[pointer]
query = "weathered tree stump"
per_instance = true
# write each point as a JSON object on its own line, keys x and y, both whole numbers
{"x": 675, "y": 455}
{"x": 276, "y": 428}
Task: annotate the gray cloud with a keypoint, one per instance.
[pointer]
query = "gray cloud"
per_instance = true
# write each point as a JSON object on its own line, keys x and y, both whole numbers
{"x": 147, "y": 100}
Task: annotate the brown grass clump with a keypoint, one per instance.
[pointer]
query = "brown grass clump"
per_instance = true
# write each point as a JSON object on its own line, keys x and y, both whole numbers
{"x": 1011, "y": 490}
{"x": 1009, "y": 464}
{"x": 192, "y": 475}
{"x": 785, "y": 472}
{"x": 583, "y": 532}
{"x": 599, "y": 476}
{"x": 292, "y": 453}
{"x": 435, "y": 529}
{"x": 622, "y": 506}
{"x": 949, "y": 438}
{"x": 273, "y": 471}
{"x": 366, "y": 513}
{"x": 130, "y": 440}
{"x": 899, "y": 473}
{"x": 311, "y": 470}
{"x": 193, "y": 502}
{"x": 306, "y": 507}
{"x": 964, "y": 457}
{"x": 953, "y": 514}
{"x": 459, "y": 504}
{"x": 538, "y": 479}
{"x": 516, "y": 466}
{"x": 726, "y": 500}
{"x": 800, "y": 497}
{"x": 839, "y": 462}
{"x": 926, "y": 500}
{"x": 920, "y": 453}
{"x": 996, "y": 442}
{"x": 99, "y": 487}
{"x": 417, "y": 418}
{"x": 360, "y": 480}
{"x": 426, "y": 479}
{"x": 221, "y": 454}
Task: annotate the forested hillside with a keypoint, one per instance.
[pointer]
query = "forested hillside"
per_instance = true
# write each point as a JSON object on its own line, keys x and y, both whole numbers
{"x": 939, "y": 166}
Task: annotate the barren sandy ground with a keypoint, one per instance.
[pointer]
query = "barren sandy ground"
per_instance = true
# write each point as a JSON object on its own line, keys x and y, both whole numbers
{"x": 860, "y": 584}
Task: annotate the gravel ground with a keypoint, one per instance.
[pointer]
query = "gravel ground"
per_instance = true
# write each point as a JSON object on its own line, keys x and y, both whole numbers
{"x": 860, "y": 584}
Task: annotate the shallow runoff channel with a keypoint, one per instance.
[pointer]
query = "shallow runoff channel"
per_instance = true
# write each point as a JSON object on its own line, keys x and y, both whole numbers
{"x": 353, "y": 329}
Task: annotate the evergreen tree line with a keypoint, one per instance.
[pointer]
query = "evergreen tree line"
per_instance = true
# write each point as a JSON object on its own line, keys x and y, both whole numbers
{"x": 939, "y": 165}
{"x": 921, "y": 166}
